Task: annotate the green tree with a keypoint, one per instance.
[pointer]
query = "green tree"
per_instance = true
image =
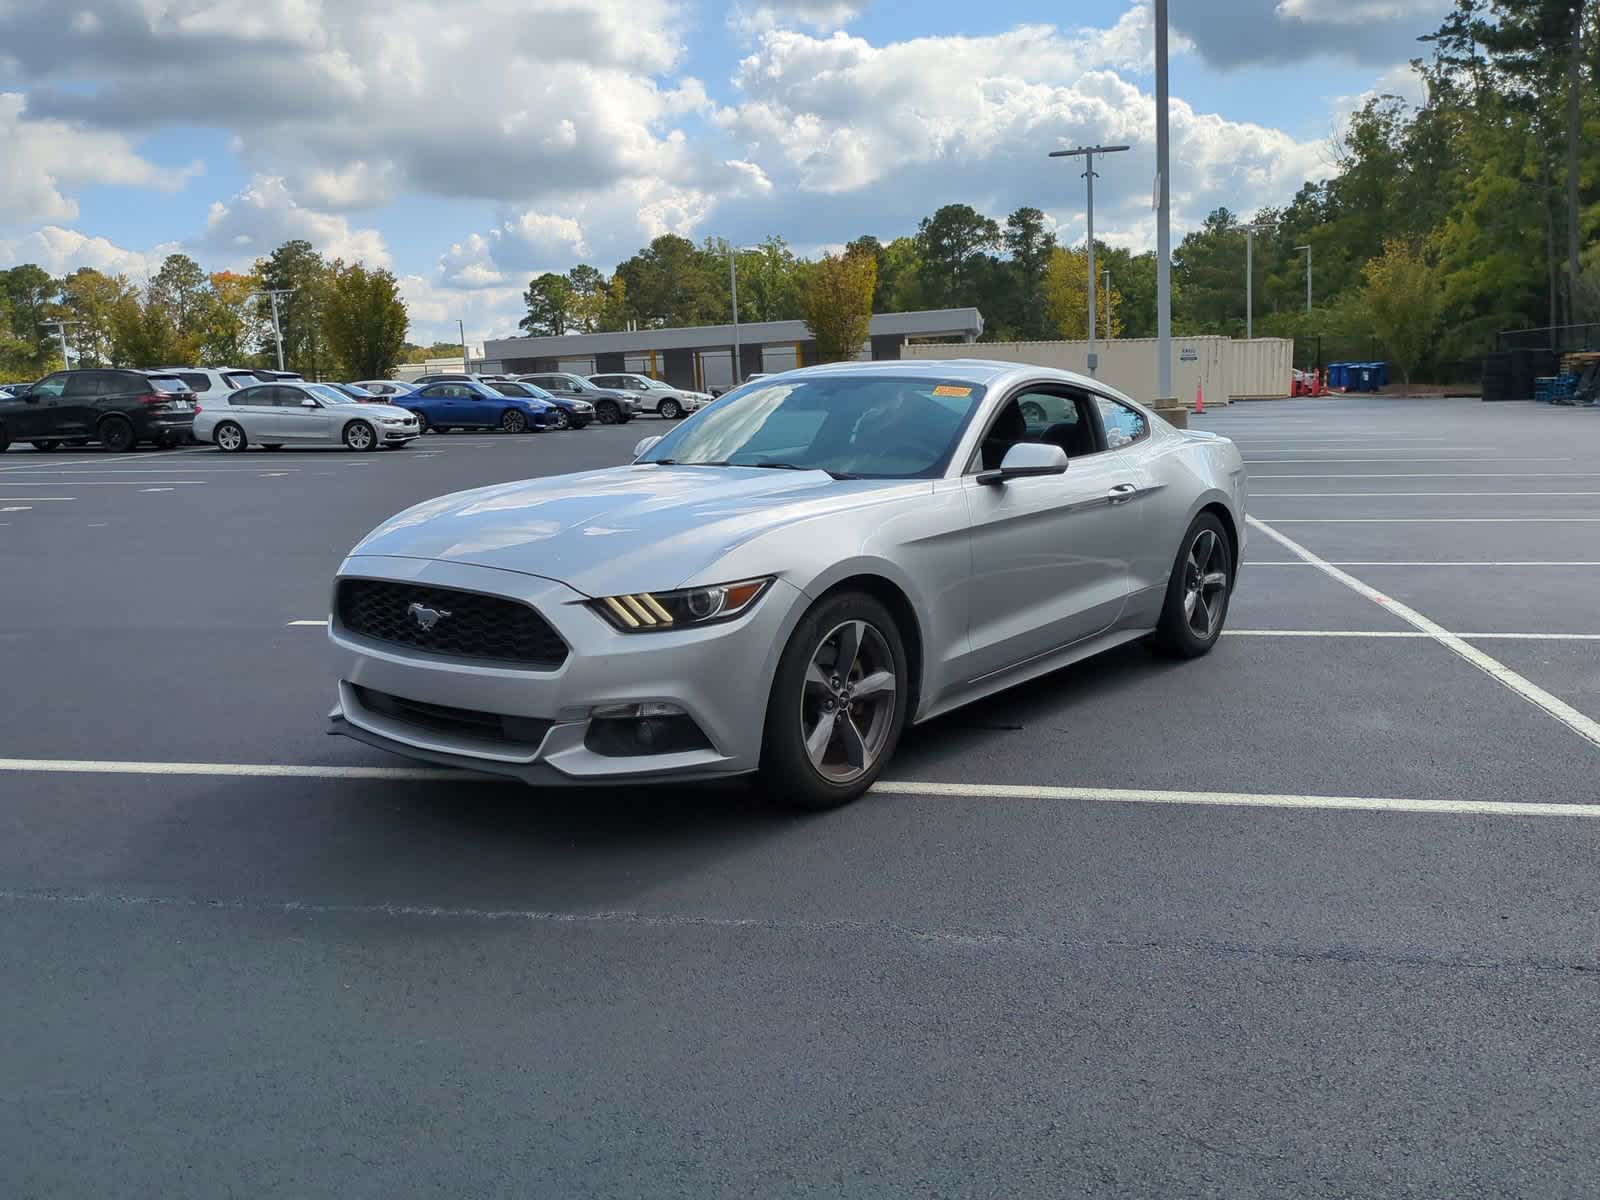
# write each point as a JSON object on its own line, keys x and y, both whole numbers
{"x": 364, "y": 320}
{"x": 233, "y": 330}
{"x": 590, "y": 291}
{"x": 184, "y": 290}
{"x": 954, "y": 247}
{"x": 1066, "y": 297}
{"x": 1403, "y": 295}
{"x": 143, "y": 333}
{"x": 26, "y": 295}
{"x": 551, "y": 305}
{"x": 672, "y": 282}
{"x": 296, "y": 266}
{"x": 769, "y": 282}
{"x": 89, "y": 299}
{"x": 838, "y": 304}
{"x": 1029, "y": 245}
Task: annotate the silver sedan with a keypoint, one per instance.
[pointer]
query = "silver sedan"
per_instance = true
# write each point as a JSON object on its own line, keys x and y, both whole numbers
{"x": 301, "y": 414}
{"x": 784, "y": 582}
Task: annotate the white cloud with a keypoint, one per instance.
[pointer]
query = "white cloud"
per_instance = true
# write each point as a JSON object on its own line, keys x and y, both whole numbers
{"x": 266, "y": 214}
{"x": 43, "y": 161}
{"x": 434, "y": 309}
{"x": 62, "y": 251}
{"x": 772, "y": 14}
{"x": 1233, "y": 33}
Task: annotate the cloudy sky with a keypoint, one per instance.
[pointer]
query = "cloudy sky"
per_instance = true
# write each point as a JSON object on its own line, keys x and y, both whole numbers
{"x": 469, "y": 144}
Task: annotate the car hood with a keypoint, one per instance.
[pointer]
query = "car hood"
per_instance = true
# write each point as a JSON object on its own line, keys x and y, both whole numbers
{"x": 624, "y": 529}
{"x": 375, "y": 411}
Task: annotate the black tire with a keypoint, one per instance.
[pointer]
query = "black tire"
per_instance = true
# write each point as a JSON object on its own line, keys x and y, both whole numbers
{"x": 670, "y": 409}
{"x": 607, "y": 412}
{"x": 229, "y": 437}
{"x": 1176, "y": 632}
{"x": 514, "y": 420}
{"x": 787, "y": 769}
{"x": 441, "y": 429}
{"x": 361, "y": 437}
{"x": 422, "y": 422}
{"x": 561, "y": 420}
{"x": 117, "y": 436}
{"x": 47, "y": 445}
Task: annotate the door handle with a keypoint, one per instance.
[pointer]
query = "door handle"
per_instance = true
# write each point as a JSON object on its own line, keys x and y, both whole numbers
{"x": 1122, "y": 493}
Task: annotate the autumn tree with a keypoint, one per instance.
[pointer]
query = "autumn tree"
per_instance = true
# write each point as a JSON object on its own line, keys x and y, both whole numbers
{"x": 89, "y": 300}
{"x": 837, "y": 303}
{"x": 1066, "y": 297}
{"x": 363, "y": 320}
{"x": 552, "y": 304}
{"x": 1403, "y": 297}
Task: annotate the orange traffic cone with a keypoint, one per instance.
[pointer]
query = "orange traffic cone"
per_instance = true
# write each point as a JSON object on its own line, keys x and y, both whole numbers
{"x": 1199, "y": 399}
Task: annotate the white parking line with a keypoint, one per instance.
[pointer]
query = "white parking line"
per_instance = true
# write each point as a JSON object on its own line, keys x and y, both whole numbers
{"x": 1342, "y": 495}
{"x": 1584, "y": 726}
{"x": 911, "y": 788}
{"x": 1274, "y": 562}
{"x": 38, "y": 499}
{"x": 1431, "y": 520}
{"x": 91, "y": 483}
{"x": 1441, "y": 475}
{"x": 121, "y": 458}
{"x": 1394, "y": 458}
{"x": 16, "y": 508}
{"x": 1410, "y": 633}
{"x": 157, "y": 489}
{"x": 324, "y": 621}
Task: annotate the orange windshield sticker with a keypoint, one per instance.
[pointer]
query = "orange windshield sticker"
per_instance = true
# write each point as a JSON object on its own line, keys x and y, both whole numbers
{"x": 946, "y": 389}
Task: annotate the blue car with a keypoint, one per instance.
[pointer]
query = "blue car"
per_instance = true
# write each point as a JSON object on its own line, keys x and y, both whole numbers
{"x": 467, "y": 404}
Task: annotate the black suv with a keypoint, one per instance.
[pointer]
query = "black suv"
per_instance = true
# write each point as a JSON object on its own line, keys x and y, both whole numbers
{"x": 117, "y": 408}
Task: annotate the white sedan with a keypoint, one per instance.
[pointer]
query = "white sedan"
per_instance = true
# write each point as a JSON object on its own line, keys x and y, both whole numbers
{"x": 303, "y": 414}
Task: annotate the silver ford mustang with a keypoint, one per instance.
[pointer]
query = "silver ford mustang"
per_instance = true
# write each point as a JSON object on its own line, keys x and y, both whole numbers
{"x": 786, "y": 580}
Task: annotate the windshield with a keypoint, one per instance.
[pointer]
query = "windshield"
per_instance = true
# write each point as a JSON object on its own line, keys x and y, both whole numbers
{"x": 328, "y": 394}
{"x": 872, "y": 426}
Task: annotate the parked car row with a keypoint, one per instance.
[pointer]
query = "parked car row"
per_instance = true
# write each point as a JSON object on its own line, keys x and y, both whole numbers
{"x": 235, "y": 408}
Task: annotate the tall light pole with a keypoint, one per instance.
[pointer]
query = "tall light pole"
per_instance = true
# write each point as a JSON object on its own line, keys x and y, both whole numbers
{"x": 1164, "y": 395}
{"x": 1105, "y": 277}
{"x": 461, "y": 328}
{"x": 277, "y": 326}
{"x": 1087, "y": 153}
{"x": 1307, "y": 249}
{"x": 733, "y": 289}
{"x": 1250, "y": 232}
{"x": 61, "y": 332}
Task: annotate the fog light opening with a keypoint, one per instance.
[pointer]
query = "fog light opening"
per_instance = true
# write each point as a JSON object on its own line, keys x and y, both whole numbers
{"x": 637, "y": 730}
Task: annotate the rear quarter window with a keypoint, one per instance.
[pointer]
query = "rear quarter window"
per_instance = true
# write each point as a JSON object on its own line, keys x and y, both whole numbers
{"x": 196, "y": 381}
{"x": 168, "y": 383}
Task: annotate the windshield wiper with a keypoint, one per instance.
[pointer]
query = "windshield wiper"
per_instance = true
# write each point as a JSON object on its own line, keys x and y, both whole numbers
{"x": 787, "y": 466}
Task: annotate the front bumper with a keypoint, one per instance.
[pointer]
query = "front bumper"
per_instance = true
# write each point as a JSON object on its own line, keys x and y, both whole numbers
{"x": 720, "y": 676}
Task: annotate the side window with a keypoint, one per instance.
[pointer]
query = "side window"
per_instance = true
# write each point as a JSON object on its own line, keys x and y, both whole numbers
{"x": 52, "y": 387}
{"x": 1055, "y": 418}
{"x": 81, "y": 384}
{"x": 197, "y": 382}
{"x": 1123, "y": 425}
{"x": 285, "y": 397}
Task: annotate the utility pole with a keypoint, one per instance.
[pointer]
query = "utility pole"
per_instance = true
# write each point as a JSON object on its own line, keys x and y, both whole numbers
{"x": 1106, "y": 277}
{"x": 1307, "y": 249}
{"x": 733, "y": 290}
{"x": 1163, "y": 200}
{"x": 466, "y": 365}
{"x": 61, "y": 332}
{"x": 1250, "y": 276}
{"x": 277, "y": 325}
{"x": 1087, "y": 153}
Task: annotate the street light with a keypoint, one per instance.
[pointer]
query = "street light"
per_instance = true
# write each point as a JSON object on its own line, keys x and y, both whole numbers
{"x": 61, "y": 332}
{"x": 733, "y": 289}
{"x": 1250, "y": 275}
{"x": 1307, "y": 249}
{"x": 1163, "y": 219}
{"x": 466, "y": 364}
{"x": 277, "y": 328}
{"x": 1087, "y": 153}
{"x": 1105, "y": 277}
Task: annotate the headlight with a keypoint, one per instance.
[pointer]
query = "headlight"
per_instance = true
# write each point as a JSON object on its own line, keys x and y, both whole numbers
{"x": 648, "y": 612}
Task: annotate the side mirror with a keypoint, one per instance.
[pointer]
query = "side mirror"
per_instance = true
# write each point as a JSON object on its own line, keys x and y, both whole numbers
{"x": 644, "y": 446}
{"x": 308, "y": 402}
{"x": 1025, "y": 460}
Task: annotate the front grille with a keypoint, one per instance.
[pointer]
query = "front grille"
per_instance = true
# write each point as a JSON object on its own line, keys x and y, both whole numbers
{"x": 466, "y": 624}
{"x": 441, "y": 718}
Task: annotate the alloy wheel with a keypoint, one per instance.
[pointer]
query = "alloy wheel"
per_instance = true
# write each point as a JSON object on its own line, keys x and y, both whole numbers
{"x": 847, "y": 705}
{"x": 358, "y": 436}
{"x": 230, "y": 438}
{"x": 1205, "y": 583}
{"x": 513, "y": 421}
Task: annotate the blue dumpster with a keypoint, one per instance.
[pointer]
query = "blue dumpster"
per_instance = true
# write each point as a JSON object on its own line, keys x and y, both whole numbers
{"x": 1365, "y": 376}
{"x": 1336, "y": 375}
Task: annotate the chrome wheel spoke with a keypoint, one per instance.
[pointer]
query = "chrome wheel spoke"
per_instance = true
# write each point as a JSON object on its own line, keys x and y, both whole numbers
{"x": 850, "y": 741}
{"x": 849, "y": 647}
{"x": 879, "y": 684}
{"x": 817, "y": 679}
{"x": 1191, "y": 597}
{"x": 1214, "y": 581}
{"x": 818, "y": 740}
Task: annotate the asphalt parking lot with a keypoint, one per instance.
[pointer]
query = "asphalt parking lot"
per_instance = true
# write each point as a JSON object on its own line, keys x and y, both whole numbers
{"x": 1312, "y": 916}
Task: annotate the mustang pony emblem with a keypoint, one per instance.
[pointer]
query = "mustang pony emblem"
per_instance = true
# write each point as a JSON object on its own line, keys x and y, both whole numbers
{"x": 425, "y": 617}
